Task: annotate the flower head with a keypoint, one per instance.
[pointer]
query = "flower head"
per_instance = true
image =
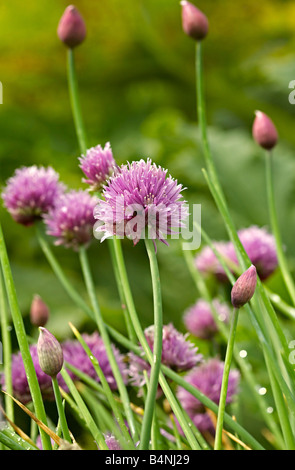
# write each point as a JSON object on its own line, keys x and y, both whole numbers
{"x": 208, "y": 379}
{"x": 259, "y": 245}
{"x": 264, "y": 131}
{"x": 199, "y": 319}
{"x": 194, "y": 22}
{"x": 177, "y": 353}
{"x": 71, "y": 28}
{"x": 71, "y": 221}
{"x": 97, "y": 165}
{"x": 31, "y": 192}
{"x": 140, "y": 195}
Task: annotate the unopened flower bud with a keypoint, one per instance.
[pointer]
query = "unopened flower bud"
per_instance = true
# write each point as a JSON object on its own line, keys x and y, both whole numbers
{"x": 194, "y": 22}
{"x": 264, "y": 131}
{"x": 71, "y": 28}
{"x": 50, "y": 353}
{"x": 244, "y": 287}
{"x": 39, "y": 313}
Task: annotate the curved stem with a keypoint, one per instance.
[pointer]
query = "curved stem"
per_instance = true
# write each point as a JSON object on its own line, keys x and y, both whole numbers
{"x": 75, "y": 102}
{"x": 288, "y": 280}
{"x": 224, "y": 385}
{"x": 157, "y": 349}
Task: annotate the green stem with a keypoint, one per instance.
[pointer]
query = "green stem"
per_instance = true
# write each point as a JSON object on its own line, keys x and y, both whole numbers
{"x": 6, "y": 343}
{"x": 105, "y": 337}
{"x": 75, "y": 102}
{"x": 275, "y": 226}
{"x": 22, "y": 341}
{"x": 157, "y": 349}
{"x": 224, "y": 385}
{"x": 61, "y": 411}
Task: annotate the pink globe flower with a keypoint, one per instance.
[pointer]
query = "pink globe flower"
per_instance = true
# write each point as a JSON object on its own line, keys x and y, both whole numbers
{"x": 71, "y": 221}
{"x": 140, "y": 196}
{"x": 31, "y": 192}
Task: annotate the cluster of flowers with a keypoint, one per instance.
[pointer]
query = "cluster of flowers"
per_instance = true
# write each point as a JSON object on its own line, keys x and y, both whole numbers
{"x": 35, "y": 193}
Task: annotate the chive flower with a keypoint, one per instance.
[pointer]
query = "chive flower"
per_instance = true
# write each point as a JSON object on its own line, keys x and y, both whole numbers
{"x": 71, "y": 221}
{"x": 259, "y": 245}
{"x": 199, "y": 319}
{"x": 208, "y": 379}
{"x": 177, "y": 353}
{"x": 140, "y": 196}
{"x": 31, "y": 192}
{"x": 97, "y": 165}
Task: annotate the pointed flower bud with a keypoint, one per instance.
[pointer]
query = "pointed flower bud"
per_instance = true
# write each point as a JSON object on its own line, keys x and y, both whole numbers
{"x": 194, "y": 22}
{"x": 50, "y": 353}
{"x": 71, "y": 28}
{"x": 39, "y": 313}
{"x": 244, "y": 287}
{"x": 264, "y": 131}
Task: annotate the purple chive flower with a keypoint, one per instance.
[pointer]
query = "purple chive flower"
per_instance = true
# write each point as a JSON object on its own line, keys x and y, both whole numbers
{"x": 31, "y": 192}
{"x": 98, "y": 164}
{"x": 112, "y": 442}
{"x": 137, "y": 196}
{"x": 199, "y": 319}
{"x": 74, "y": 354}
{"x": 177, "y": 353}
{"x": 207, "y": 262}
{"x": 208, "y": 379}
{"x": 259, "y": 245}
{"x": 71, "y": 221}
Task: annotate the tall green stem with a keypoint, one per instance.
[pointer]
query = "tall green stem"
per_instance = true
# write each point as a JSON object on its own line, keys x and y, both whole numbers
{"x": 22, "y": 341}
{"x": 75, "y": 102}
{"x": 157, "y": 349}
{"x": 105, "y": 337}
{"x": 224, "y": 385}
{"x": 275, "y": 226}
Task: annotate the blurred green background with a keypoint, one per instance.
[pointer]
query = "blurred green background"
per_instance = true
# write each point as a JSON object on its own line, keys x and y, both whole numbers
{"x": 137, "y": 86}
